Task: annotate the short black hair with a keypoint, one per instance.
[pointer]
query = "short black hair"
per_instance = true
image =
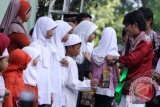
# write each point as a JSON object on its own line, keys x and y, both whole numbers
{"x": 66, "y": 47}
{"x": 147, "y": 13}
{"x": 80, "y": 16}
{"x": 133, "y": 17}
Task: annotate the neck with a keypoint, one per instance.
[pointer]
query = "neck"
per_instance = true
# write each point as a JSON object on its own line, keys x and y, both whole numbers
{"x": 0, "y": 73}
{"x": 148, "y": 30}
{"x": 136, "y": 34}
{"x": 68, "y": 54}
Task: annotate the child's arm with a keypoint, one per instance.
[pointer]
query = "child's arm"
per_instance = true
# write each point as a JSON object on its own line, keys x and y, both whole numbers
{"x": 73, "y": 81}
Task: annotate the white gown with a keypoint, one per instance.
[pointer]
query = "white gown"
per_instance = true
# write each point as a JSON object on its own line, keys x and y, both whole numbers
{"x": 71, "y": 84}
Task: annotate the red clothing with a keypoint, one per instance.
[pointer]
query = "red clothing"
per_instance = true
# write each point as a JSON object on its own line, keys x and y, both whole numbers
{"x": 18, "y": 41}
{"x": 13, "y": 76}
{"x": 138, "y": 61}
{"x": 24, "y": 9}
{"x": 4, "y": 42}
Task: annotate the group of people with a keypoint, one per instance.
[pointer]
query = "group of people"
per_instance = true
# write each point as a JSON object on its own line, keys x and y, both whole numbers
{"x": 59, "y": 63}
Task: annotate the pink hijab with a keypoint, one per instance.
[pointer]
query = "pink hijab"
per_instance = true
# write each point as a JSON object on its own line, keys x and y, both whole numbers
{"x": 11, "y": 21}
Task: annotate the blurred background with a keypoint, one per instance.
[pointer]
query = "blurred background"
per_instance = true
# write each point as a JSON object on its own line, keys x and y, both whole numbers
{"x": 104, "y": 12}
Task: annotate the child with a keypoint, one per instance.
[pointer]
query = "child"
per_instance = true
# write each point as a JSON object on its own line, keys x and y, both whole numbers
{"x": 103, "y": 72}
{"x": 72, "y": 84}
{"x": 47, "y": 67}
{"x": 13, "y": 76}
{"x": 61, "y": 36}
{"x": 30, "y": 73}
{"x": 4, "y": 42}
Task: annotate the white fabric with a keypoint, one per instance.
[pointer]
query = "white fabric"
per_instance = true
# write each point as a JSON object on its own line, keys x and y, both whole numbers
{"x": 61, "y": 30}
{"x": 90, "y": 46}
{"x": 126, "y": 102}
{"x": 30, "y": 74}
{"x": 5, "y": 53}
{"x": 72, "y": 40}
{"x": 42, "y": 25}
{"x": 84, "y": 30}
{"x": 72, "y": 85}
{"x": 107, "y": 46}
{"x": 158, "y": 67}
{"x": 2, "y": 88}
{"x": 47, "y": 67}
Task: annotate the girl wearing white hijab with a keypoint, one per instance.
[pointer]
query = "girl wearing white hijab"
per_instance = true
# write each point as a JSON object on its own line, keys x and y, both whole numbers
{"x": 85, "y": 31}
{"x": 61, "y": 36}
{"x": 49, "y": 86}
{"x": 102, "y": 72}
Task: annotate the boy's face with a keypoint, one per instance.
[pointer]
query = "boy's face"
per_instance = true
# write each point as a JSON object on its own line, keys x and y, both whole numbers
{"x": 3, "y": 63}
{"x": 130, "y": 29}
{"x": 75, "y": 50}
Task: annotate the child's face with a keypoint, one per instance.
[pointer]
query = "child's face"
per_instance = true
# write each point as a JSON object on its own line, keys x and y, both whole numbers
{"x": 75, "y": 50}
{"x": 91, "y": 37}
{"x": 50, "y": 33}
{"x": 65, "y": 38}
{"x": 3, "y": 63}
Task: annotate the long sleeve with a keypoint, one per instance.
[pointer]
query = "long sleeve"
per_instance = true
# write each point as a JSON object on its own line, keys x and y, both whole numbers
{"x": 133, "y": 58}
{"x": 9, "y": 100}
{"x": 73, "y": 82}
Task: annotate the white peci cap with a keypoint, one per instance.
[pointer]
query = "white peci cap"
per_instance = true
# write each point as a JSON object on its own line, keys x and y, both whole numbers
{"x": 72, "y": 40}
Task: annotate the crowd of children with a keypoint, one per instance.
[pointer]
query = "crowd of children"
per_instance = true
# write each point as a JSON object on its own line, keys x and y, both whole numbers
{"x": 58, "y": 63}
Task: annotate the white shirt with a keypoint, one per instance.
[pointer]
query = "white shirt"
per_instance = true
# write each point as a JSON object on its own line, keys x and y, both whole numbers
{"x": 71, "y": 84}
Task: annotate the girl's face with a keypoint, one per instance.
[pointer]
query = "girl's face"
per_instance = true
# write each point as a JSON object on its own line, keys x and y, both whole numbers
{"x": 3, "y": 63}
{"x": 50, "y": 33}
{"x": 65, "y": 38}
{"x": 27, "y": 16}
{"x": 91, "y": 37}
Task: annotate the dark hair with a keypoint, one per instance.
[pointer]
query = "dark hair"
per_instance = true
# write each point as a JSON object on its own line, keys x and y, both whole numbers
{"x": 80, "y": 16}
{"x": 71, "y": 19}
{"x": 147, "y": 13}
{"x": 123, "y": 33}
{"x": 133, "y": 17}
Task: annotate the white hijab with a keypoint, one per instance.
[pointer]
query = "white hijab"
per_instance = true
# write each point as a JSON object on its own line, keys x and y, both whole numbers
{"x": 42, "y": 25}
{"x": 30, "y": 73}
{"x": 84, "y": 30}
{"x": 61, "y": 30}
{"x": 107, "y": 46}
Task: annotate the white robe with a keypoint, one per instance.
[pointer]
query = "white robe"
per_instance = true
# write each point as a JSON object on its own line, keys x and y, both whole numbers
{"x": 48, "y": 76}
{"x": 2, "y": 88}
{"x": 72, "y": 85}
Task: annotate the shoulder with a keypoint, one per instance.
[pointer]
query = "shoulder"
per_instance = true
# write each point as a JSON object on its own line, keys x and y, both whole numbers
{"x": 70, "y": 60}
{"x": 146, "y": 38}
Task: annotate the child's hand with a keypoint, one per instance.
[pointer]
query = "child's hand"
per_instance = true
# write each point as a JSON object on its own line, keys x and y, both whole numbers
{"x": 111, "y": 60}
{"x": 64, "y": 62}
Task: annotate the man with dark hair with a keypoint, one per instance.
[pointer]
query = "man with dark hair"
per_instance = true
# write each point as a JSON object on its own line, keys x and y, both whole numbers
{"x": 139, "y": 58}
{"x": 83, "y": 16}
{"x": 148, "y": 15}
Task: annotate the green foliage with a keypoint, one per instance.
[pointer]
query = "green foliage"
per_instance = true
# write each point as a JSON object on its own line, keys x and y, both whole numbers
{"x": 106, "y": 14}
